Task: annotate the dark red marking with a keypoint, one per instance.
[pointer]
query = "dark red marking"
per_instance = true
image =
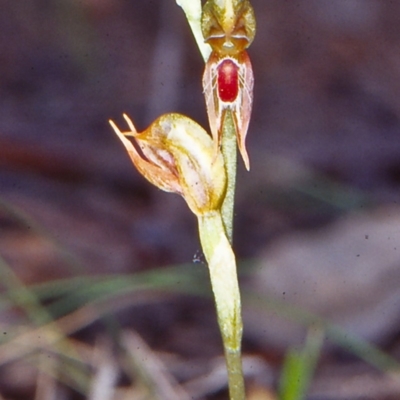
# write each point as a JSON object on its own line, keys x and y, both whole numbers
{"x": 228, "y": 80}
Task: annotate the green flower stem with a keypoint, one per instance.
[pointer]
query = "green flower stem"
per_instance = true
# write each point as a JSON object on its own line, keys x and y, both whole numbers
{"x": 216, "y": 232}
{"x": 222, "y": 266}
{"x": 229, "y": 152}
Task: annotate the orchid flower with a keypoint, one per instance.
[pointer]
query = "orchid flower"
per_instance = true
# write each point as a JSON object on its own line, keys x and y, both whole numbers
{"x": 177, "y": 155}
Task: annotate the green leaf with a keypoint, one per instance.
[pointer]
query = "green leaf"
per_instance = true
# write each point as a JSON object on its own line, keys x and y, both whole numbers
{"x": 299, "y": 366}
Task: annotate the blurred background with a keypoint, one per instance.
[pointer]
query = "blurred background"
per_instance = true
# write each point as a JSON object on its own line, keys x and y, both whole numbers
{"x": 317, "y": 223}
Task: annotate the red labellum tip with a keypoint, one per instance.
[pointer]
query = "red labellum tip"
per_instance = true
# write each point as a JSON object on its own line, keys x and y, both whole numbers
{"x": 228, "y": 80}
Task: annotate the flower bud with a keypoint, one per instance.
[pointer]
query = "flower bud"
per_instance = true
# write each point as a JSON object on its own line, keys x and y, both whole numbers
{"x": 177, "y": 155}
